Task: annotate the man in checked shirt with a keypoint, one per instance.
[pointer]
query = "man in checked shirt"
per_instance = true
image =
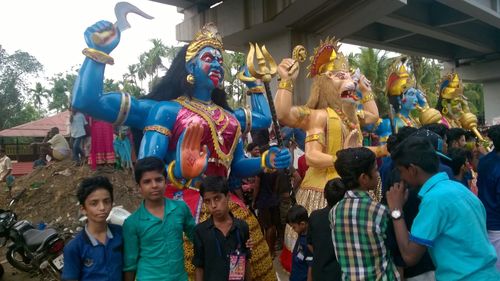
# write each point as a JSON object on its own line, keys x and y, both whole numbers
{"x": 358, "y": 223}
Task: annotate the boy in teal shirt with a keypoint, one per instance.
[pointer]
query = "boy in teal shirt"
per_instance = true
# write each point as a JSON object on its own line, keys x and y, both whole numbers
{"x": 153, "y": 240}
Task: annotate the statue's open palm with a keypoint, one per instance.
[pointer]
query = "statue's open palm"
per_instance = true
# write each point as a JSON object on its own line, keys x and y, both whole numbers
{"x": 193, "y": 158}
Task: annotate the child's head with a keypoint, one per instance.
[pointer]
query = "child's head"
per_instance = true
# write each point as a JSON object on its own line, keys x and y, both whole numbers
{"x": 214, "y": 191}
{"x": 298, "y": 219}
{"x": 334, "y": 191}
{"x": 415, "y": 157}
{"x": 95, "y": 195}
{"x": 494, "y": 135}
{"x": 458, "y": 160}
{"x": 357, "y": 168}
{"x": 150, "y": 175}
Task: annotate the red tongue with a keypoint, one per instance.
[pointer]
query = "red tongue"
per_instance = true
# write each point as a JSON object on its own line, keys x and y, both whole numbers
{"x": 215, "y": 80}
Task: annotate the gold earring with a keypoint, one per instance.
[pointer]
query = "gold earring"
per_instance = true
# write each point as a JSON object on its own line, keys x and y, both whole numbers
{"x": 190, "y": 79}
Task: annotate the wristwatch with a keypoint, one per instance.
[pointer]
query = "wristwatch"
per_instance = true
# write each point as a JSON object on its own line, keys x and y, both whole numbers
{"x": 396, "y": 214}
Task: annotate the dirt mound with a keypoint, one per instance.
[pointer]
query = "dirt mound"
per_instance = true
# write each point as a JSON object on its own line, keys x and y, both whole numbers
{"x": 50, "y": 193}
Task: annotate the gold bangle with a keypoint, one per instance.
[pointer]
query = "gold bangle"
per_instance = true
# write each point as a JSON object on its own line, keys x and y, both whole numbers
{"x": 286, "y": 85}
{"x": 256, "y": 90}
{"x": 248, "y": 120}
{"x": 98, "y": 56}
{"x": 263, "y": 160}
{"x": 367, "y": 98}
{"x": 157, "y": 128}
{"x": 172, "y": 179}
{"x": 316, "y": 137}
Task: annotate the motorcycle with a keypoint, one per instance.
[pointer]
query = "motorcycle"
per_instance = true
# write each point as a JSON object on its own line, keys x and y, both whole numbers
{"x": 30, "y": 249}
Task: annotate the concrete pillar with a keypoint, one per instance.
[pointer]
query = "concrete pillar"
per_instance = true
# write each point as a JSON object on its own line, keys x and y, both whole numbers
{"x": 491, "y": 100}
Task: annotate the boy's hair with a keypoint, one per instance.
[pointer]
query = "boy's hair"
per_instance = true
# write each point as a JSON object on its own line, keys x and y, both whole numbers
{"x": 251, "y": 146}
{"x": 437, "y": 128}
{"x": 458, "y": 158}
{"x": 494, "y": 135}
{"x": 417, "y": 151}
{"x": 91, "y": 184}
{"x": 351, "y": 163}
{"x": 454, "y": 134}
{"x": 396, "y": 139}
{"x": 334, "y": 191}
{"x": 148, "y": 164}
{"x": 2, "y": 149}
{"x": 215, "y": 184}
{"x": 297, "y": 214}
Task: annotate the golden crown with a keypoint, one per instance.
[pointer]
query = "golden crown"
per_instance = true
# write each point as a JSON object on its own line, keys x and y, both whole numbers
{"x": 450, "y": 86}
{"x": 326, "y": 58}
{"x": 207, "y": 36}
{"x": 398, "y": 80}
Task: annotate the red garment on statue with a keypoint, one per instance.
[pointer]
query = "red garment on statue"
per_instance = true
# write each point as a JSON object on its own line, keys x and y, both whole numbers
{"x": 101, "y": 148}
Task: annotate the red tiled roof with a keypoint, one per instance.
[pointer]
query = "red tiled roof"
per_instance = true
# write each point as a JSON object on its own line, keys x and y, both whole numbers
{"x": 22, "y": 168}
{"x": 39, "y": 128}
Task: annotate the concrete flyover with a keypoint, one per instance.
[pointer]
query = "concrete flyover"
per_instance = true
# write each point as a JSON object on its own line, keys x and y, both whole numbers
{"x": 465, "y": 34}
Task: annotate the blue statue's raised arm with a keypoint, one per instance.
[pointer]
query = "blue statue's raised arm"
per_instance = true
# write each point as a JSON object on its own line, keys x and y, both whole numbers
{"x": 88, "y": 97}
{"x": 259, "y": 116}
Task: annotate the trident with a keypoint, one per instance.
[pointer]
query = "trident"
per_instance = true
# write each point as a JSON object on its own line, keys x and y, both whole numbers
{"x": 265, "y": 74}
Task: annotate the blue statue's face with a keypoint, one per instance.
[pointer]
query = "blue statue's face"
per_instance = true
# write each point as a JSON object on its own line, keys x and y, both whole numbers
{"x": 207, "y": 67}
{"x": 410, "y": 99}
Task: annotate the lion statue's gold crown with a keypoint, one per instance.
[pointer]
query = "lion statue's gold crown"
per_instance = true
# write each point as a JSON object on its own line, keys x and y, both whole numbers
{"x": 207, "y": 36}
{"x": 326, "y": 57}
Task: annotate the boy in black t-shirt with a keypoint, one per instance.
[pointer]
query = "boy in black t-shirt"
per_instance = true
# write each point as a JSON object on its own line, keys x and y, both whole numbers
{"x": 302, "y": 257}
{"x": 220, "y": 242}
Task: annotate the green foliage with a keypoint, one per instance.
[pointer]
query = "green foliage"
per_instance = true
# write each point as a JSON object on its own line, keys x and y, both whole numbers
{"x": 15, "y": 71}
{"x": 234, "y": 88}
{"x": 374, "y": 64}
{"x": 149, "y": 66}
{"x": 62, "y": 85}
{"x": 475, "y": 96}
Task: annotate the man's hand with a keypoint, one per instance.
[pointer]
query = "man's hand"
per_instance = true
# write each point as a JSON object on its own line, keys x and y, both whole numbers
{"x": 397, "y": 196}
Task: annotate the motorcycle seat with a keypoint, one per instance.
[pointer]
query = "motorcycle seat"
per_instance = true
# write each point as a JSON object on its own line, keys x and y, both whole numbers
{"x": 35, "y": 238}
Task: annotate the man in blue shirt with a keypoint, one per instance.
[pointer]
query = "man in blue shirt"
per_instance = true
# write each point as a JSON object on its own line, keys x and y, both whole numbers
{"x": 488, "y": 184}
{"x": 451, "y": 222}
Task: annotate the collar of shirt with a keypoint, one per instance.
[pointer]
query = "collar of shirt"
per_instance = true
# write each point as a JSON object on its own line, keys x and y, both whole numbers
{"x": 211, "y": 224}
{"x": 431, "y": 182}
{"x": 93, "y": 240}
{"x": 357, "y": 194}
{"x": 168, "y": 208}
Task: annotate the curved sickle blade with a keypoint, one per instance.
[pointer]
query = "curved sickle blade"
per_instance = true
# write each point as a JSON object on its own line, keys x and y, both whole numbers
{"x": 122, "y": 9}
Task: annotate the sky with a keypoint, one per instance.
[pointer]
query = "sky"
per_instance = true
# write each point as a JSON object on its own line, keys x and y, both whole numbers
{"x": 52, "y": 31}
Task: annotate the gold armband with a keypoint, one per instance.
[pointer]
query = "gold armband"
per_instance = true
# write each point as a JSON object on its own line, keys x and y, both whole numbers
{"x": 256, "y": 90}
{"x": 173, "y": 180}
{"x": 367, "y": 98}
{"x": 286, "y": 85}
{"x": 160, "y": 129}
{"x": 124, "y": 109}
{"x": 98, "y": 56}
{"x": 316, "y": 137}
